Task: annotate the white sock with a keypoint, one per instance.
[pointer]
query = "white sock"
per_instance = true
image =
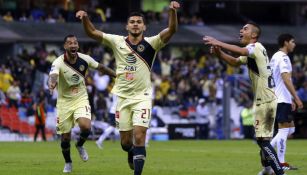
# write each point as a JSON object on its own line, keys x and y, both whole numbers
{"x": 282, "y": 136}
{"x": 274, "y": 141}
{"x": 106, "y": 133}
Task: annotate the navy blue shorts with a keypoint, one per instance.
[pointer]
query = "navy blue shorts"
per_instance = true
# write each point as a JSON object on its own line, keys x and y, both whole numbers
{"x": 283, "y": 113}
{"x": 111, "y": 119}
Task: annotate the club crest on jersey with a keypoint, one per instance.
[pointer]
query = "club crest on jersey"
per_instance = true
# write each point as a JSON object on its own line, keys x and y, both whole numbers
{"x": 81, "y": 68}
{"x": 140, "y": 48}
{"x": 131, "y": 59}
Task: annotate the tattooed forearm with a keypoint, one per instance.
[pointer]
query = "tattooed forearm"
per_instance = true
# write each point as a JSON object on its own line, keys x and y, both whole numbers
{"x": 53, "y": 80}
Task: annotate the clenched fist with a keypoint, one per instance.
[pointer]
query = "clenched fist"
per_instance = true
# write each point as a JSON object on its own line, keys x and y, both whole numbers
{"x": 174, "y": 5}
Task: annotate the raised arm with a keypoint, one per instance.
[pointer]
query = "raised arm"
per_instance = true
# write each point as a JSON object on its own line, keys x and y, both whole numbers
{"x": 242, "y": 51}
{"x": 286, "y": 77}
{"x": 167, "y": 33}
{"x": 224, "y": 56}
{"x": 52, "y": 82}
{"x": 106, "y": 70}
{"x": 88, "y": 26}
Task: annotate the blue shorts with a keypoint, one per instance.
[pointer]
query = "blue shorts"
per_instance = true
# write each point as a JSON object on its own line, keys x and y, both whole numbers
{"x": 283, "y": 113}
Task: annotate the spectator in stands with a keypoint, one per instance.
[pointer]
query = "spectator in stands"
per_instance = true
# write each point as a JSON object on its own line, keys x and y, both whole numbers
{"x": 60, "y": 19}
{"x": 202, "y": 112}
{"x": 6, "y": 79}
{"x": 247, "y": 119}
{"x": 23, "y": 17}
{"x": 8, "y": 17}
{"x": 302, "y": 92}
{"x": 50, "y": 19}
{"x": 14, "y": 94}
{"x": 40, "y": 118}
{"x": 2, "y": 98}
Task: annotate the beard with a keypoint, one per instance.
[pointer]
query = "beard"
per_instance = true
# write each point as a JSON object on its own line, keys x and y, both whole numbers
{"x": 136, "y": 34}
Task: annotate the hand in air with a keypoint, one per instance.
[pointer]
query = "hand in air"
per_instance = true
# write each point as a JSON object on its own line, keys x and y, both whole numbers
{"x": 208, "y": 40}
{"x": 80, "y": 14}
{"x": 174, "y": 5}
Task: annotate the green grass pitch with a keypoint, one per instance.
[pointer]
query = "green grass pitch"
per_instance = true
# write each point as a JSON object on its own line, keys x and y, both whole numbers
{"x": 209, "y": 157}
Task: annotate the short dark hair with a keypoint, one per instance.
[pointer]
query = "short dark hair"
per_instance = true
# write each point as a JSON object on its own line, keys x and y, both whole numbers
{"x": 137, "y": 14}
{"x": 68, "y": 36}
{"x": 258, "y": 31}
{"x": 284, "y": 37}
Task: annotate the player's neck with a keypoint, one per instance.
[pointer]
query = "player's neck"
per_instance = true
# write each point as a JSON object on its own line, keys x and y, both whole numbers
{"x": 284, "y": 50}
{"x": 71, "y": 59}
{"x": 135, "y": 40}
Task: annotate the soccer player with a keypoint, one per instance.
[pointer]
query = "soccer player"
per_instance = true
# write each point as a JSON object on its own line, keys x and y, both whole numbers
{"x": 134, "y": 56}
{"x": 255, "y": 56}
{"x": 68, "y": 75}
{"x": 285, "y": 92}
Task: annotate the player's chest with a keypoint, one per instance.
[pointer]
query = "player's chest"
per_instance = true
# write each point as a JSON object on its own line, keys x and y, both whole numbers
{"x": 71, "y": 75}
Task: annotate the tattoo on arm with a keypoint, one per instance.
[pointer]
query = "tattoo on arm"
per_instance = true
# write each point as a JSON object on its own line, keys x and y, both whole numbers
{"x": 53, "y": 80}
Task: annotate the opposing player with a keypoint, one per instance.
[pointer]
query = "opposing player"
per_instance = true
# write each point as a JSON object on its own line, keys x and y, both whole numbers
{"x": 285, "y": 91}
{"x": 111, "y": 123}
{"x": 134, "y": 56}
{"x": 254, "y": 55}
{"x": 67, "y": 74}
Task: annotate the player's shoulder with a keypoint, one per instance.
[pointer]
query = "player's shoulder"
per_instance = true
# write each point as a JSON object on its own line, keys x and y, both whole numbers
{"x": 82, "y": 55}
{"x": 113, "y": 36}
{"x": 59, "y": 59}
{"x": 150, "y": 38}
{"x": 259, "y": 45}
{"x": 279, "y": 55}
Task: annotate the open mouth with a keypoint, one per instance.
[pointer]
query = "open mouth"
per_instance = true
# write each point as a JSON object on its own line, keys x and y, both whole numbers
{"x": 73, "y": 51}
{"x": 240, "y": 37}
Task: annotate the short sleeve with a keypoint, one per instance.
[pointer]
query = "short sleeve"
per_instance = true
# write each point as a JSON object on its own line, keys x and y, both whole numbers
{"x": 91, "y": 62}
{"x": 243, "y": 59}
{"x": 156, "y": 42}
{"x": 107, "y": 39}
{"x": 251, "y": 50}
{"x": 285, "y": 64}
{"x": 55, "y": 67}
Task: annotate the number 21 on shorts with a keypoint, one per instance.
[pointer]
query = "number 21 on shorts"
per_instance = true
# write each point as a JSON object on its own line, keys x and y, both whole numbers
{"x": 145, "y": 114}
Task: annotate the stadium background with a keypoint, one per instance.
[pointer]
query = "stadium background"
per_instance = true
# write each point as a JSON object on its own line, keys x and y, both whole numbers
{"x": 184, "y": 74}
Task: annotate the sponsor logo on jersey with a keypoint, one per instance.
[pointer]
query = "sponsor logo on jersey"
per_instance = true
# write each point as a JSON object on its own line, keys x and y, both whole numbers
{"x": 131, "y": 59}
{"x": 75, "y": 78}
{"x": 130, "y": 68}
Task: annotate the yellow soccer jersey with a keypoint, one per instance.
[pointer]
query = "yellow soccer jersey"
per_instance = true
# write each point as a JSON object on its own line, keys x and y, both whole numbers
{"x": 133, "y": 65}
{"x": 71, "y": 83}
{"x": 260, "y": 73}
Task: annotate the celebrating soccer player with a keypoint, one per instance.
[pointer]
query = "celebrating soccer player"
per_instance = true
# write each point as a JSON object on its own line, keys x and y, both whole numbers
{"x": 68, "y": 75}
{"x": 255, "y": 56}
{"x": 134, "y": 56}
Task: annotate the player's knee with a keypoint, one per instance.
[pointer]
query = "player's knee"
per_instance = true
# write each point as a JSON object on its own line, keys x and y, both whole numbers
{"x": 263, "y": 143}
{"x": 126, "y": 148}
{"x": 85, "y": 133}
{"x": 65, "y": 145}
